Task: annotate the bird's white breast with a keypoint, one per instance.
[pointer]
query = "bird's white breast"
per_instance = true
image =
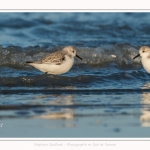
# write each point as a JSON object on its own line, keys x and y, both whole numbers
{"x": 146, "y": 64}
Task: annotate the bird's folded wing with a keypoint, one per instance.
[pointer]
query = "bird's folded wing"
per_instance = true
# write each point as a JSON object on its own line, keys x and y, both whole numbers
{"x": 54, "y": 58}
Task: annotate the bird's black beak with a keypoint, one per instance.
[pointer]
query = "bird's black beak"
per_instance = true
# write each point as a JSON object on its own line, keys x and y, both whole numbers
{"x": 136, "y": 56}
{"x": 78, "y": 57}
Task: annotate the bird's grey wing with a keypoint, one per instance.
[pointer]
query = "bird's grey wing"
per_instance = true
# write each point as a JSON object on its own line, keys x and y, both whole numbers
{"x": 55, "y": 58}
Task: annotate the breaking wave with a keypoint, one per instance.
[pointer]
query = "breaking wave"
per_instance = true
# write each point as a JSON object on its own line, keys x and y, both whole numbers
{"x": 119, "y": 54}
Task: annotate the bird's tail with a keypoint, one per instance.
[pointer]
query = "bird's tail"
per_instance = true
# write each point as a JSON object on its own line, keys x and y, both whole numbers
{"x": 29, "y": 62}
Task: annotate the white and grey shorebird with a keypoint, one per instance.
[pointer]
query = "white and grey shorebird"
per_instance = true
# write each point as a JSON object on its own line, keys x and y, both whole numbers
{"x": 58, "y": 62}
{"x": 144, "y": 52}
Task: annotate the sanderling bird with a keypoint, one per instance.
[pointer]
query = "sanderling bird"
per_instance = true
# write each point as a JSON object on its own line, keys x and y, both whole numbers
{"x": 144, "y": 52}
{"x": 58, "y": 62}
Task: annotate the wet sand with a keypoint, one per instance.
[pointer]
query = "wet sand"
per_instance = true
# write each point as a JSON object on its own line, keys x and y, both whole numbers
{"x": 120, "y": 114}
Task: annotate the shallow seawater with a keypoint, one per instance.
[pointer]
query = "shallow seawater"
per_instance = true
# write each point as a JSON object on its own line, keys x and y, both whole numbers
{"x": 107, "y": 94}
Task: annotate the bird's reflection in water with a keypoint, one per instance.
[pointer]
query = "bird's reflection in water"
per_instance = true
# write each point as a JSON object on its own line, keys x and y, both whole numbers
{"x": 145, "y": 110}
{"x": 63, "y": 112}
{"x": 146, "y": 86}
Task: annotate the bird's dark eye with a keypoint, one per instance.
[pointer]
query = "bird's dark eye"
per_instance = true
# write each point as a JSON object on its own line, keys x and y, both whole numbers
{"x": 143, "y": 51}
{"x": 73, "y": 51}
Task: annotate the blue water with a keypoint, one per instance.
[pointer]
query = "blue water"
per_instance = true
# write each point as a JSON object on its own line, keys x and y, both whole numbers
{"x": 79, "y": 29}
{"x": 108, "y": 90}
